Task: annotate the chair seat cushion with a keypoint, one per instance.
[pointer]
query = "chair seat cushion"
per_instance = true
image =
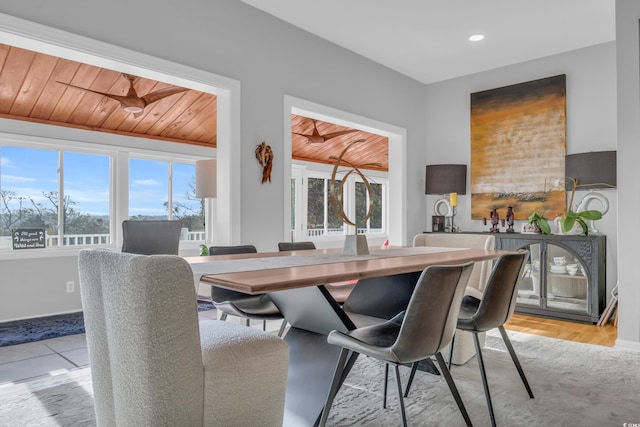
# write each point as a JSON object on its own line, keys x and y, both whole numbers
{"x": 374, "y": 341}
{"x": 245, "y": 372}
{"x": 257, "y": 307}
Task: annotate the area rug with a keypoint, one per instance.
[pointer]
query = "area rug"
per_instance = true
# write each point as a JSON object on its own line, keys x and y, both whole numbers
{"x": 574, "y": 385}
{"x": 42, "y": 328}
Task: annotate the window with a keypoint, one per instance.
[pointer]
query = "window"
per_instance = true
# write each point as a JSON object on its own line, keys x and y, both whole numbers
{"x": 321, "y": 220}
{"x": 67, "y": 190}
{"x": 364, "y": 201}
{"x": 67, "y": 194}
{"x": 155, "y": 185}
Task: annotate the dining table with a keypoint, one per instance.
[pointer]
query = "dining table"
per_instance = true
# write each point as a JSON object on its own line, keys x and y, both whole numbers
{"x": 295, "y": 281}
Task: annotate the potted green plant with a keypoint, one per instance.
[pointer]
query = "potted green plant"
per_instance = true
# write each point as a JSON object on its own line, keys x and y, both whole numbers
{"x": 540, "y": 222}
{"x": 569, "y": 219}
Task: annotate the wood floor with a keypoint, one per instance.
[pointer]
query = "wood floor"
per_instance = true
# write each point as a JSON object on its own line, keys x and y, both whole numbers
{"x": 591, "y": 334}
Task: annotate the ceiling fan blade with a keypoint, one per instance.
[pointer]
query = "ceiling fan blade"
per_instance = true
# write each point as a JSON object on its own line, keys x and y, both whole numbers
{"x": 162, "y": 93}
{"x": 331, "y": 135}
{"x": 87, "y": 90}
{"x": 121, "y": 99}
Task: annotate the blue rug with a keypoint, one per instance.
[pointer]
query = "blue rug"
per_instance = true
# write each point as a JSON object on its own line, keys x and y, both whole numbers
{"x": 43, "y": 328}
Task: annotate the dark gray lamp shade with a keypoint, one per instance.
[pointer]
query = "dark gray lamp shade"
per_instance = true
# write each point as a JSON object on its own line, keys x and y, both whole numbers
{"x": 596, "y": 169}
{"x": 444, "y": 179}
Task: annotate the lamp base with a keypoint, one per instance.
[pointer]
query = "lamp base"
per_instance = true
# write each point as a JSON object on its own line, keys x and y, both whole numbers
{"x": 355, "y": 244}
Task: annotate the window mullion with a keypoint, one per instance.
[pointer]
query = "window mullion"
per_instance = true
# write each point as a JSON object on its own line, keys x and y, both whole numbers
{"x": 170, "y": 192}
{"x": 61, "y": 218}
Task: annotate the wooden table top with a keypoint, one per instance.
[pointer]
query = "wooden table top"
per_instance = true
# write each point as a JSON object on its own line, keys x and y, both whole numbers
{"x": 381, "y": 262}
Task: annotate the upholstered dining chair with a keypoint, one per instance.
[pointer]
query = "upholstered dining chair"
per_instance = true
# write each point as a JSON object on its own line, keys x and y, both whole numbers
{"x": 422, "y": 330}
{"x": 153, "y": 237}
{"x": 339, "y": 291}
{"x": 464, "y": 349}
{"x": 249, "y": 307}
{"x": 154, "y": 364}
{"x": 493, "y": 311}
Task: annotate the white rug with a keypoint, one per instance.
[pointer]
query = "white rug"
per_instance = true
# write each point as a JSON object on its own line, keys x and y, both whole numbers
{"x": 574, "y": 385}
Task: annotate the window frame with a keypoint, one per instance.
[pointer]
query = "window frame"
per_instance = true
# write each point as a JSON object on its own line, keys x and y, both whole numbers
{"x": 119, "y": 155}
{"x": 319, "y": 171}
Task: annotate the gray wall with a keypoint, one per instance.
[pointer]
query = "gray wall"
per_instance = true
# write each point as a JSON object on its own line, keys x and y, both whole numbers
{"x": 628, "y": 60}
{"x": 270, "y": 59}
{"x": 591, "y": 122}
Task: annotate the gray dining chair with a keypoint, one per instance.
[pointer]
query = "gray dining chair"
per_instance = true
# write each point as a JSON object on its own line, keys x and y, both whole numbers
{"x": 249, "y": 307}
{"x": 153, "y": 237}
{"x": 492, "y": 311}
{"x": 339, "y": 291}
{"x": 422, "y": 330}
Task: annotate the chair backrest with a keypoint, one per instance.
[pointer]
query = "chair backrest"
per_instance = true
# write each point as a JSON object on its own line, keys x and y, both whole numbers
{"x": 482, "y": 269}
{"x": 295, "y": 246}
{"x": 161, "y": 237}
{"x": 499, "y": 298}
{"x": 382, "y": 297}
{"x": 219, "y": 295}
{"x": 432, "y": 314}
{"x": 231, "y": 250}
{"x": 142, "y": 334}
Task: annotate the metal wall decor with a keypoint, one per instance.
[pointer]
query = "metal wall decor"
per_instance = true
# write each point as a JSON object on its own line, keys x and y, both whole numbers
{"x": 264, "y": 154}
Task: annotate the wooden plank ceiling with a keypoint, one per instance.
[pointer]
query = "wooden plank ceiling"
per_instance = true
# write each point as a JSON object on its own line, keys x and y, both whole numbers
{"x": 373, "y": 151}
{"x": 29, "y": 90}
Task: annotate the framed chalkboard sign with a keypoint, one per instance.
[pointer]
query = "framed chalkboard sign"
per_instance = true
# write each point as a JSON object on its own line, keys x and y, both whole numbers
{"x": 28, "y": 238}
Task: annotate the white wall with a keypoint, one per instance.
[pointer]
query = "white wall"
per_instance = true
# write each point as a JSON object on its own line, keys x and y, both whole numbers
{"x": 591, "y": 123}
{"x": 628, "y": 60}
{"x": 271, "y": 59}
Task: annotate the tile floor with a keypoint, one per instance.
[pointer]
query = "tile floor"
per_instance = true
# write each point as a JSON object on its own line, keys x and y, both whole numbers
{"x": 26, "y": 361}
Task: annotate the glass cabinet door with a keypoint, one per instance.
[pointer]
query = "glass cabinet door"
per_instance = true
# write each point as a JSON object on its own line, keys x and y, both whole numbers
{"x": 567, "y": 283}
{"x": 529, "y": 287}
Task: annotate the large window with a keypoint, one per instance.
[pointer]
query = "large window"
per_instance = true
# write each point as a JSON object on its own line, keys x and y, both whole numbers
{"x": 321, "y": 219}
{"x": 69, "y": 194}
{"x": 166, "y": 190}
{"x": 65, "y": 193}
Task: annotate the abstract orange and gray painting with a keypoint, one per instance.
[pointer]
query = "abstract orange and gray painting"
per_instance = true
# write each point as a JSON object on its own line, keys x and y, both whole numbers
{"x": 518, "y": 147}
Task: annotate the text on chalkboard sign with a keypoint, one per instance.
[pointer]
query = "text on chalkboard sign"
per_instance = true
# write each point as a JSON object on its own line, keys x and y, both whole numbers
{"x": 28, "y": 238}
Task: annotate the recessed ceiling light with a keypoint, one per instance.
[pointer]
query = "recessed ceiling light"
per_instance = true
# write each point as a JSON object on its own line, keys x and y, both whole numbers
{"x": 476, "y": 37}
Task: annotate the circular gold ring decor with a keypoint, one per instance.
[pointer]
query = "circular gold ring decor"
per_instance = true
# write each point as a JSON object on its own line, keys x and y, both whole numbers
{"x": 336, "y": 200}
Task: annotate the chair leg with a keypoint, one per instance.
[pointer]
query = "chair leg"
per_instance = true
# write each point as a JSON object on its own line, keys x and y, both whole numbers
{"x": 223, "y": 316}
{"x": 516, "y": 362}
{"x": 386, "y": 382}
{"x": 483, "y": 374}
{"x": 414, "y": 368}
{"x": 264, "y": 325}
{"x": 453, "y": 340}
{"x": 342, "y": 369}
{"x": 452, "y": 386}
{"x": 247, "y": 322}
{"x": 396, "y": 370}
{"x": 282, "y": 326}
{"x": 431, "y": 368}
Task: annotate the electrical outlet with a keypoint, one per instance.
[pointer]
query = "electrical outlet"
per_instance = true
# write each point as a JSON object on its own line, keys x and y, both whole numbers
{"x": 71, "y": 286}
